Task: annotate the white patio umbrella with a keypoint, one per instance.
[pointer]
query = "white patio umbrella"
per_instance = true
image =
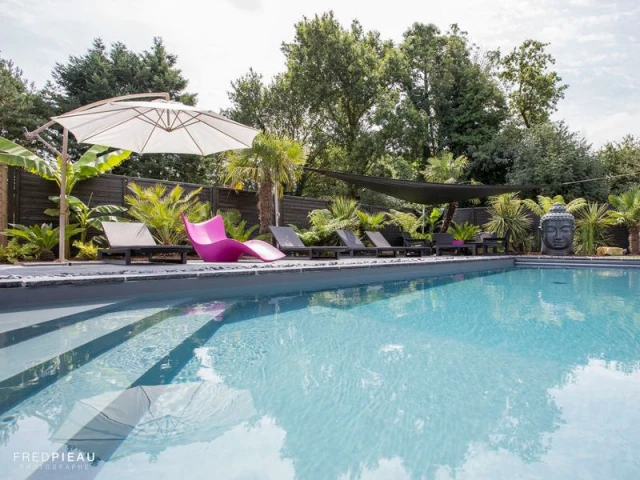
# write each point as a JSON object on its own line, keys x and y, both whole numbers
{"x": 153, "y": 418}
{"x": 159, "y": 126}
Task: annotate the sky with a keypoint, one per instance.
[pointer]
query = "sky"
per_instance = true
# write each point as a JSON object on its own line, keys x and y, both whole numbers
{"x": 596, "y": 43}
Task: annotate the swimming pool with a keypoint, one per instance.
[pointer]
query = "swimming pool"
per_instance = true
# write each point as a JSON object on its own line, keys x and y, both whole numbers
{"x": 523, "y": 373}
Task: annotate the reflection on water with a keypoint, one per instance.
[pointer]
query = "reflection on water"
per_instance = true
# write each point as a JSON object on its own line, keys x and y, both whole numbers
{"x": 521, "y": 374}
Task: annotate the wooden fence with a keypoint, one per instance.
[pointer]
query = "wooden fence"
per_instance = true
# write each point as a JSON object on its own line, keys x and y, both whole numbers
{"x": 27, "y": 199}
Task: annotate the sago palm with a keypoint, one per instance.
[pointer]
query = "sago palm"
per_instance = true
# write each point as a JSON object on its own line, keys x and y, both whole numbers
{"x": 544, "y": 204}
{"x": 627, "y": 212}
{"x": 272, "y": 162}
{"x": 444, "y": 168}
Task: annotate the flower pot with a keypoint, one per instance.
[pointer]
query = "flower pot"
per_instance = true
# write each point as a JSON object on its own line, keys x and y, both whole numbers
{"x": 457, "y": 242}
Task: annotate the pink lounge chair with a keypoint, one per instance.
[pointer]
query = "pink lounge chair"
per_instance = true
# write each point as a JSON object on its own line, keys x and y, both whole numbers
{"x": 210, "y": 240}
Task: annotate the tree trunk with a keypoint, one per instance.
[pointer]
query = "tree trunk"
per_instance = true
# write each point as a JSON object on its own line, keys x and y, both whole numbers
{"x": 4, "y": 202}
{"x": 448, "y": 218}
{"x": 265, "y": 206}
{"x": 634, "y": 240}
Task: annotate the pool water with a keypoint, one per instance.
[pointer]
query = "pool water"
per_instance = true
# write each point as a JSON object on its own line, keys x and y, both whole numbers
{"x": 525, "y": 373}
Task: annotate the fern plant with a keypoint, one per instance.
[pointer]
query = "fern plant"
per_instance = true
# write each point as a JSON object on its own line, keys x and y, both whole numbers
{"x": 160, "y": 210}
{"x": 16, "y": 251}
{"x": 236, "y": 227}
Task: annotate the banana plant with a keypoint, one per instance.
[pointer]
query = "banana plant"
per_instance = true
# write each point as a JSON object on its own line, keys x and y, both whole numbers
{"x": 89, "y": 165}
{"x": 85, "y": 216}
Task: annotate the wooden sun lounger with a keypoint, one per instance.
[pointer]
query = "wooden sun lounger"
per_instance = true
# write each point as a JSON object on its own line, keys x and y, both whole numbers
{"x": 355, "y": 245}
{"x": 289, "y": 242}
{"x": 127, "y": 239}
{"x": 380, "y": 242}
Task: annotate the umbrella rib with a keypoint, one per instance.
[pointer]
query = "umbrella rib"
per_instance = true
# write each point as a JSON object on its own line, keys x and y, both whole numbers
{"x": 194, "y": 141}
{"x": 199, "y": 114}
{"x": 111, "y": 127}
{"x": 149, "y": 137}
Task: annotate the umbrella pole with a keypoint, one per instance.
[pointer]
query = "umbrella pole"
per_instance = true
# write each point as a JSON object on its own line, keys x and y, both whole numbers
{"x": 63, "y": 197}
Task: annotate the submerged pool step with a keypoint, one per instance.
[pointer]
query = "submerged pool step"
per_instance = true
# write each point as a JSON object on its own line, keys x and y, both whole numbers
{"x": 34, "y": 364}
{"x": 585, "y": 262}
{"x": 18, "y": 327}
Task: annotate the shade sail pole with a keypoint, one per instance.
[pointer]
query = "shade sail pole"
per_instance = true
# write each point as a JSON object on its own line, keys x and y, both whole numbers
{"x": 63, "y": 196}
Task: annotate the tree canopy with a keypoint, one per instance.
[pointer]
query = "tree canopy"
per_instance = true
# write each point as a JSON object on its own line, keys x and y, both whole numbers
{"x": 363, "y": 104}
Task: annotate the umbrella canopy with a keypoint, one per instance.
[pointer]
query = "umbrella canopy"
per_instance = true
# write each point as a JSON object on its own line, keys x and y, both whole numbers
{"x": 159, "y": 126}
{"x": 423, "y": 192}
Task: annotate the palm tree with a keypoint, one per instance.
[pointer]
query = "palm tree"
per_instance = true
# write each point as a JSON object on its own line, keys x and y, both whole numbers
{"x": 544, "y": 204}
{"x": 91, "y": 163}
{"x": 508, "y": 214}
{"x": 272, "y": 162}
{"x": 444, "y": 168}
{"x": 627, "y": 212}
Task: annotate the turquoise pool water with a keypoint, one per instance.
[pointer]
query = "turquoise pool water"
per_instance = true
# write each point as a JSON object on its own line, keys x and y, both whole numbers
{"x": 526, "y": 373}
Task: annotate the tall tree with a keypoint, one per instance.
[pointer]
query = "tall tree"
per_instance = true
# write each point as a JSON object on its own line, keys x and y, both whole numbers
{"x": 20, "y": 105}
{"x": 560, "y": 160}
{"x": 105, "y": 72}
{"x": 532, "y": 87}
{"x": 621, "y": 162}
{"x": 447, "y": 99}
{"x": 343, "y": 74}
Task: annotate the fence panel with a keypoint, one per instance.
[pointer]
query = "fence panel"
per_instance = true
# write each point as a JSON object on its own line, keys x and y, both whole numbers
{"x": 27, "y": 199}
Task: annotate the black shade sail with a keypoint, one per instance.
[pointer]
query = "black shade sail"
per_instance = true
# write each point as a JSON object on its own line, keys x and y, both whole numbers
{"x": 423, "y": 192}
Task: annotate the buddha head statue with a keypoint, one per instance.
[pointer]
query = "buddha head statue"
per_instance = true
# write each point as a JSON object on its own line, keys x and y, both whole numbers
{"x": 557, "y": 228}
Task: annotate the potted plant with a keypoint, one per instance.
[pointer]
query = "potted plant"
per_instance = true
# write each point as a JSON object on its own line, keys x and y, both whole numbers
{"x": 464, "y": 232}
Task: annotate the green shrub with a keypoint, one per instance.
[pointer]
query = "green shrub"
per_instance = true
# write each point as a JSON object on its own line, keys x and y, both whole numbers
{"x": 16, "y": 251}
{"x": 86, "y": 251}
